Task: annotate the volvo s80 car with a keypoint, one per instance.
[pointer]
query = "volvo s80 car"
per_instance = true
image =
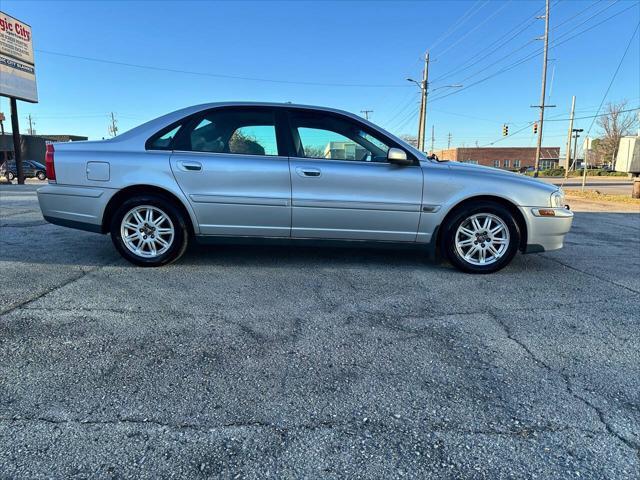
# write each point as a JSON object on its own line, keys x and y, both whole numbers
{"x": 292, "y": 173}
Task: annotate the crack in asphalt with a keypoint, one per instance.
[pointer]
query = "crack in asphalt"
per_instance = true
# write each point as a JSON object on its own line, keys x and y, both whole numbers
{"x": 13, "y": 214}
{"x": 69, "y": 281}
{"x": 604, "y": 279}
{"x": 522, "y": 432}
{"x": 35, "y": 223}
{"x": 569, "y": 387}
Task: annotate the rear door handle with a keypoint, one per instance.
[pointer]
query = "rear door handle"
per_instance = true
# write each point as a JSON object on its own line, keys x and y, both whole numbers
{"x": 308, "y": 172}
{"x": 190, "y": 166}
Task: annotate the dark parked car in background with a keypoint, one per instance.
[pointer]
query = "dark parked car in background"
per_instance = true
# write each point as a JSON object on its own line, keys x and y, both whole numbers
{"x": 31, "y": 169}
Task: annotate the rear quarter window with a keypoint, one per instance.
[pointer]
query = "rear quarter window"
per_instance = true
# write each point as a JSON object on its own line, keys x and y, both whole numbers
{"x": 163, "y": 140}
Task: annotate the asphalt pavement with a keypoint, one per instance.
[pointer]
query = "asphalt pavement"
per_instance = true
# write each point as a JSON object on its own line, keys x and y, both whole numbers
{"x": 247, "y": 362}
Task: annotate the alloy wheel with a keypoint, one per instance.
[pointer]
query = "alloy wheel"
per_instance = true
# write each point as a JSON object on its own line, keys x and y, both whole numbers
{"x": 147, "y": 231}
{"x": 482, "y": 239}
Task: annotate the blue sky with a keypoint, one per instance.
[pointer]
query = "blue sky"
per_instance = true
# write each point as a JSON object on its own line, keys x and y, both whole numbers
{"x": 371, "y": 47}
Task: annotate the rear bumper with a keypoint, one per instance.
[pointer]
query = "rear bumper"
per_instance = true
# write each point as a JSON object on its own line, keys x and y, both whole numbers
{"x": 546, "y": 232}
{"x": 74, "y": 206}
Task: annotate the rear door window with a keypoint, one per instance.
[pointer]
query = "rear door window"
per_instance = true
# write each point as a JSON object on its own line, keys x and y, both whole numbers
{"x": 239, "y": 132}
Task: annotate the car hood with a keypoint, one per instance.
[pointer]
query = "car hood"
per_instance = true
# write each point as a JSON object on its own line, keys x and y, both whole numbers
{"x": 479, "y": 171}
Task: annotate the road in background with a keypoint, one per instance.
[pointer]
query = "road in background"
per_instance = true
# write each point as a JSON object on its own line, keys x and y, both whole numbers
{"x": 248, "y": 362}
{"x": 609, "y": 185}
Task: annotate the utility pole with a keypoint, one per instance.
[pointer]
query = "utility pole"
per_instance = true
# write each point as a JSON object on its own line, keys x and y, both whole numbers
{"x": 30, "y": 120}
{"x": 449, "y": 141}
{"x": 544, "y": 87}
{"x": 568, "y": 155}
{"x": 424, "y": 87}
{"x": 433, "y": 136}
{"x": 424, "y": 91}
{"x": 576, "y": 133}
{"x": 366, "y": 113}
{"x": 113, "y": 128}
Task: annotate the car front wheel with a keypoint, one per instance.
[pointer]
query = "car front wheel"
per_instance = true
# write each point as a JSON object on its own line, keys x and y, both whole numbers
{"x": 149, "y": 231}
{"x": 10, "y": 176}
{"x": 481, "y": 238}
{"x": 41, "y": 175}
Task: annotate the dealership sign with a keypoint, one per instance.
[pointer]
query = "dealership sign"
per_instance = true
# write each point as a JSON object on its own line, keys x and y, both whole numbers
{"x": 17, "y": 66}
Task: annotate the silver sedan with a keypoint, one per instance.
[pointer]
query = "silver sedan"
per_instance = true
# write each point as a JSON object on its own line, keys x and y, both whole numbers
{"x": 291, "y": 173}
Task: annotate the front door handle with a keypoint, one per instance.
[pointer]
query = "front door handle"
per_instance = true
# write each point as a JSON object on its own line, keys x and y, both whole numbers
{"x": 308, "y": 172}
{"x": 190, "y": 166}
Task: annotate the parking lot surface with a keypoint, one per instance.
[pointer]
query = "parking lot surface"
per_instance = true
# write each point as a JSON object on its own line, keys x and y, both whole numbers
{"x": 251, "y": 362}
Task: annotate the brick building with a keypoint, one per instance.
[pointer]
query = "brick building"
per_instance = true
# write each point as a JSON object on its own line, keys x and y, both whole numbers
{"x": 508, "y": 158}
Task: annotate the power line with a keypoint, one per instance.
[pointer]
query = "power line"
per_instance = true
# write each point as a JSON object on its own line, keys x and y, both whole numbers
{"x": 401, "y": 110}
{"x": 594, "y": 116}
{"x": 529, "y": 19}
{"x": 400, "y": 115}
{"x": 566, "y": 119}
{"x": 555, "y": 42}
{"x": 490, "y": 48}
{"x": 220, "y": 75}
{"x": 478, "y": 25}
{"x": 615, "y": 74}
{"x": 468, "y": 14}
{"x": 531, "y": 55}
{"x": 407, "y": 119}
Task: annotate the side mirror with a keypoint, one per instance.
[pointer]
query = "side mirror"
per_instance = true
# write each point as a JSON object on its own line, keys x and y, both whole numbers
{"x": 398, "y": 156}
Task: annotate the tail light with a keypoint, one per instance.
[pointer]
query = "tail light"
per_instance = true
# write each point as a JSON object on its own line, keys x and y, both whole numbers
{"x": 51, "y": 169}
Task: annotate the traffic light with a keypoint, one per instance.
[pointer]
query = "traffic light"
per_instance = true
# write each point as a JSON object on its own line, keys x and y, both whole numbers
{"x": 535, "y": 128}
{"x": 505, "y": 130}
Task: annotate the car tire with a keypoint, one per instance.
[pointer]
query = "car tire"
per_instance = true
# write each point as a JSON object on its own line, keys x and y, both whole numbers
{"x": 157, "y": 240}
{"x": 41, "y": 176}
{"x": 481, "y": 238}
{"x": 10, "y": 176}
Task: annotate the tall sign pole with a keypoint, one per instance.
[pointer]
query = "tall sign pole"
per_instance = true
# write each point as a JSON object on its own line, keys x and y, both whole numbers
{"x": 544, "y": 87}
{"x": 567, "y": 160}
{"x": 17, "y": 74}
{"x": 15, "y": 130}
{"x": 4, "y": 151}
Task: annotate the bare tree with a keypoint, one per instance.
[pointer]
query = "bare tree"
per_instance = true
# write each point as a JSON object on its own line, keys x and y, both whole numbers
{"x": 615, "y": 124}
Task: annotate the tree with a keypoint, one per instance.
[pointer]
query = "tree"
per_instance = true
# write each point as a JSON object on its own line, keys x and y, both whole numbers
{"x": 241, "y": 143}
{"x": 314, "y": 151}
{"x": 615, "y": 123}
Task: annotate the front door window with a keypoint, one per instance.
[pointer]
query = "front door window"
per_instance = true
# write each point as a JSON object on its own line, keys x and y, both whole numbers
{"x": 332, "y": 138}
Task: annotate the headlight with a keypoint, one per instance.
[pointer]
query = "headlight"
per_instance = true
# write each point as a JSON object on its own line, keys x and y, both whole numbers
{"x": 557, "y": 198}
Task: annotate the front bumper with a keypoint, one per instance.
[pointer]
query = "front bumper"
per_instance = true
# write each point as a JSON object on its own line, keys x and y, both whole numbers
{"x": 546, "y": 227}
{"x": 74, "y": 206}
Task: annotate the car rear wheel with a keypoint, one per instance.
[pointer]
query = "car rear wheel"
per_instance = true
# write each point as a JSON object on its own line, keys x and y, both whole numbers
{"x": 10, "y": 176}
{"x": 481, "y": 238}
{"x": 149, "y": 231}
{"x": 41, "y": 175}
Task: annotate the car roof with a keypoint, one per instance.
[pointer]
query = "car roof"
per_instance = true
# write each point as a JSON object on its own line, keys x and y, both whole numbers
{"x": 136, "y": 137}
